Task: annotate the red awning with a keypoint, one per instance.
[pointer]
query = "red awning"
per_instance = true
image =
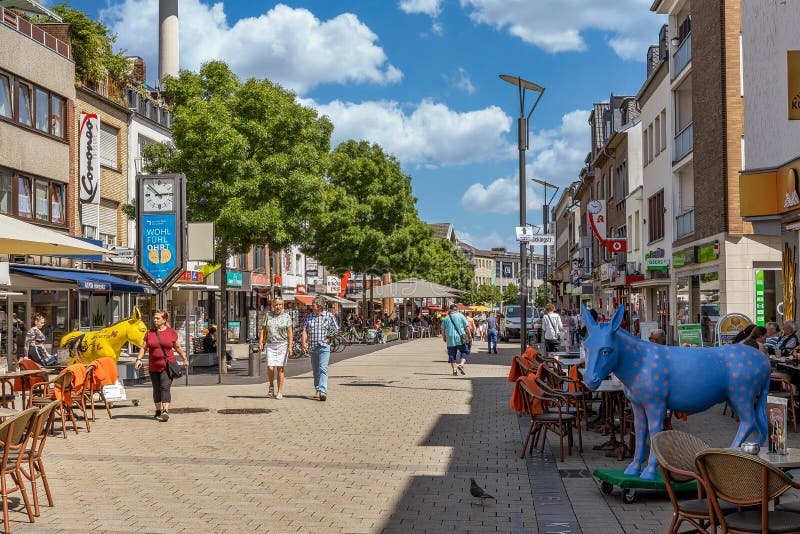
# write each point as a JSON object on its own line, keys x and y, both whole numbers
{"x": 304, "y": 299}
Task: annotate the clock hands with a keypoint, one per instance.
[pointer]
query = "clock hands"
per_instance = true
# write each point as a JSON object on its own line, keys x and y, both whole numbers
{"x": 153, "y": 189}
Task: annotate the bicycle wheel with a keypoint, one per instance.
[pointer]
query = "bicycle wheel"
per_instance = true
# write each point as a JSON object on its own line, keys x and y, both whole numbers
{"x": 335, "y": 344}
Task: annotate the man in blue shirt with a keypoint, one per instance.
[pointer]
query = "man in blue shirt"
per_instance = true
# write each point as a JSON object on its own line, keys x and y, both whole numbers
{"x": 491, "y": 334}
{"x": 318, "y": 328}
{"x": 453, "y": 327}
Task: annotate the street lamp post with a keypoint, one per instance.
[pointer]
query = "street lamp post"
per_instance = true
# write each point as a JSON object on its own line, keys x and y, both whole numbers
{"x": 522, "y": 143}
{"x": 545, "y": 229}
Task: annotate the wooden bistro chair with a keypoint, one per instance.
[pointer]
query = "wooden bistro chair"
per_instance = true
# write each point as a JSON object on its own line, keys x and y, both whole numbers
{"x": 59, "y": 388}
{"x": 92, "y": 388}
{"x": 14, "y": 435}
{"x": 32, "y": 466}
{"x": 676, "y": 451}
{"x": 548, "y": 412}
{"x": 781, "y": 386}
{"x": 745, "y": 480}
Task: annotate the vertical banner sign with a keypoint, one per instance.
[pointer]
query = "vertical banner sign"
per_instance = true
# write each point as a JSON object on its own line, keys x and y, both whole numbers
{"x": 793, "y": 75}
{"x": 760, "y": 313}
{"x": 159, "y": 245}
{"x": 597, "y": 219}
{"x": 89, "y": 158}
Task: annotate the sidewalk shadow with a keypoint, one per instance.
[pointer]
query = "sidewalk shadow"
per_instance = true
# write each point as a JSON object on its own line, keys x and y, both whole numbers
{"x": 484, "y": 445}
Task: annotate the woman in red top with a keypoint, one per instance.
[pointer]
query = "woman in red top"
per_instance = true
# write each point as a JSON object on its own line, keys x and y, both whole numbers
{"x": 160, "y": 342}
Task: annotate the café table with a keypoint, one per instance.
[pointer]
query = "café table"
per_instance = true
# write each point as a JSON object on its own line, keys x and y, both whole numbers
{"x": 786, "y": 462}
{"x": 569, "y": 362}
{"x": 8, "y": 412}
{"x": 24, "y": 376}
{"x": 613, "y": 397}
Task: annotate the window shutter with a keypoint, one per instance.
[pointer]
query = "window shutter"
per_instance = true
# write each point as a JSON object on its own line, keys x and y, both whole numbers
{"x": 108, "y": 145}
{"x": 108, "y": 216}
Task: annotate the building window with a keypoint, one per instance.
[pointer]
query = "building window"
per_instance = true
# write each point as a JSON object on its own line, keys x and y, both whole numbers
{"x": 258, "y": 258}
{"x": 89, "y": 231}
{"x": 24, "y": 104}
{"x": 24, "y": 197}
{"x": 645, "y": 159}
{"x": 108, "y": 145}
{"x": 6, "y": 191}
{"x": 41, "y": 109}
{"x": 655, "y": 216}
{"x": 5, "y": 96}
{"x": 56, "y": 116}
{"x": 57, "y": 203}
{"x": 663, "y": 129}
{"x": 42, "y": 201}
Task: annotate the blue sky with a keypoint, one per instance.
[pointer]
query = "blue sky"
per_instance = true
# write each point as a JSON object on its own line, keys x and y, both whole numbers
{"x": 420, "y": 77}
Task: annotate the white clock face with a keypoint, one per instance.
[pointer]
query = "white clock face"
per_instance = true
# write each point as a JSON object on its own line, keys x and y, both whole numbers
{"x": 159, "y": 195}
{"x": 594, "y": 207}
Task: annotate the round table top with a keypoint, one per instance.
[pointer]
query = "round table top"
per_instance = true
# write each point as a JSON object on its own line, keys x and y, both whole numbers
{"x": 5, "y": 412}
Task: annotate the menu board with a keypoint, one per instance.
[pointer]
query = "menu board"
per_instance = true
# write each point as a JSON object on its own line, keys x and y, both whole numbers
{"x": 776, "y": 415}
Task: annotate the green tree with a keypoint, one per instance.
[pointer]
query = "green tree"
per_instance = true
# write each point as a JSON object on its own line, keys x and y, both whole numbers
{"x": 371, "y": 222}
{"x": 254, "y": 159}
{"x": 93, "y": 48}
{"x": 510, "y": 295}
{"x": 484, "y": 294}
{"x": 439, "y": 261}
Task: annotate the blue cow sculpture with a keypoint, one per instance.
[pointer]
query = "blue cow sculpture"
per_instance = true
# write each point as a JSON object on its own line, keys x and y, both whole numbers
{"x": 683, "y": 379}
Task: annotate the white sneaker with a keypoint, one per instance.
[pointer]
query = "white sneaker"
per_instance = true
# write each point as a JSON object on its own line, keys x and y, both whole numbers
{"x": 279, "y": 396}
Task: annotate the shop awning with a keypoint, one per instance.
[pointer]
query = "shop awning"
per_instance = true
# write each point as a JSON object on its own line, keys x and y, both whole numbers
{"x": 344, "y": 303}
{"x": 19, "y": 237}
{"x": 304, "y": 299}
{"x": 87, "y": 279}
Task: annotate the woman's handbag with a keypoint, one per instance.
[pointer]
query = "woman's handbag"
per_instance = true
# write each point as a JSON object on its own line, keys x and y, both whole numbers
{"x": 173, "y": 369}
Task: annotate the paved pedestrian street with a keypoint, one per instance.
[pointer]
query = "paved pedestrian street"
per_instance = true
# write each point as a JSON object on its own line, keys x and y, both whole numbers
{"x": 392, "y": 450}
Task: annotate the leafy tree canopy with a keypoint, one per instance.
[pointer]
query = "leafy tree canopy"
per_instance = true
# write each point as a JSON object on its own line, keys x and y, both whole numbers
{"x": 371, "y": 222}
{"x": 510, "y": 295}
{"x": 485, "y": 294}
{"x": 439, "y": 261}
{"x": 92, "y": 47}
{"x": 254, "y": 158}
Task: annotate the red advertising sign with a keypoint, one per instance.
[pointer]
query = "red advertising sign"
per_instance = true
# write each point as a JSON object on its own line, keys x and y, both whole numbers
{"x": 616, "y": 246}
{"x": 195, "y": 277}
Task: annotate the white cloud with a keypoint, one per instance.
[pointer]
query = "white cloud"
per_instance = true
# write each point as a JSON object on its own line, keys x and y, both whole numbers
{"x": 437, "y": 28}
{"x": 287, "y": 45}
{"x": 424, "y": 134}
{"x": 486, "y": 241}
{"x": 461, "y": 80}
{"x": 427, "y": 7}
{"x": 557, "y": 157}
{"x": 560, "y": 25}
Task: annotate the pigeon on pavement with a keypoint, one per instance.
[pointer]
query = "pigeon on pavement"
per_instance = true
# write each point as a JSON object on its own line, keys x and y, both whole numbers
{"x": 476, "y": 491}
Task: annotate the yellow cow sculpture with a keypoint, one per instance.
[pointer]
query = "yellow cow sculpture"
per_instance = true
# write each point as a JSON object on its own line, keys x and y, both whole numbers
{"x": 85, "y": 347}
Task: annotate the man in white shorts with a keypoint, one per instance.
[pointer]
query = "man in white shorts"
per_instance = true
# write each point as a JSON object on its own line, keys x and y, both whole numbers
{"x": 276, "y": 338}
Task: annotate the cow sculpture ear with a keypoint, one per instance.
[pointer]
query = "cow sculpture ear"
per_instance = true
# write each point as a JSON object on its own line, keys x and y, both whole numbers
{"x": 137, "y": 314}
{"x": 616, "y": 320}
{"x": 587, "y": 317}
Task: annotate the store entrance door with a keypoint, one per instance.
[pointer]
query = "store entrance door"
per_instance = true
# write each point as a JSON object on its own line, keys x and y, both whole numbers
{"x": 20, "y": 322}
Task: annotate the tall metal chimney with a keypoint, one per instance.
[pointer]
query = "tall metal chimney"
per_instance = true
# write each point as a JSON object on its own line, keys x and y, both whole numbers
{"x": 167, "y": 39}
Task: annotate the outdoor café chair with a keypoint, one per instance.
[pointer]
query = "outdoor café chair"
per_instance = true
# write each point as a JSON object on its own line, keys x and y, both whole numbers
{"x": 44, "y": 393}
{"x": 14, "y": 435}
{"x": 676, "y": 451}
{"x": 548, "y": 411}
{"x": 41, "y": 427}
{"x": 745, "y": 480}
{"x": 89, "y": 392}
{"x": 786, "y": 391}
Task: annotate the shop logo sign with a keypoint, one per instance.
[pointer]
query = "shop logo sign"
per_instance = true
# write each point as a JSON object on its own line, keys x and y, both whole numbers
{"x": 89, "y": 160}
{"x": 791, "y": 190}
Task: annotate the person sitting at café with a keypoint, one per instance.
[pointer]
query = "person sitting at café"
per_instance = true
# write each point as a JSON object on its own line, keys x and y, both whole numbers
{"x": 787, "y": 341}
{"x": 756, "y": 338}
{"x": 658, "y": 336}
{"x": 742, "y": 334}
{"x": 773, "y": 334}
{"x": 210, "y": 345}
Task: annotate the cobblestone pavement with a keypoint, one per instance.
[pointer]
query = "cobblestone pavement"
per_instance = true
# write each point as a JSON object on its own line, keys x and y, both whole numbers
{"x": 392, "y": 450}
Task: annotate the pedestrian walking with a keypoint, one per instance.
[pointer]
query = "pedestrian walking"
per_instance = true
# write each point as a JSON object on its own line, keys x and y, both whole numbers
{"x": 318, "y": 328}
{"x": 276, "y": 339}
{"x": 471, "y": 328}
{"x": 552, "y": 328}
{"x": 455, "y": 332}
{"x": 573, "y": 328}
{"x": 491, "y": 332}
{"x": 161, "y": 343}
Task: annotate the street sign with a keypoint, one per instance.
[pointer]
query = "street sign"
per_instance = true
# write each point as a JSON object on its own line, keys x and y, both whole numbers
{"x": 543, "y": 239}
{"x": 524, "y": 234}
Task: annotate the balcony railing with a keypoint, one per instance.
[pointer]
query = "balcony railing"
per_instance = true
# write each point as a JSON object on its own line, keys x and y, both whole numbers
{"x": 682, "y": 56}
{"x": 684, "y": 142}
{"x": 684, "y": 223}
{"x": 146, "y": 107}
{"x": 9, "y": 18}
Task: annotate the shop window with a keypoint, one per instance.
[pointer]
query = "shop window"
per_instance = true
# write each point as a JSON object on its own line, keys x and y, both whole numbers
{"x": 57, "y": 203}
{"x": 24, "y": 208}
{"x": 41, "y": 109}
{"x": 5, "y": 96}
{"x": 42, "y": 201}
{"x": 5, "y": 191}
{"x": 24, "y": 104}
{"x": 56, "y": 116}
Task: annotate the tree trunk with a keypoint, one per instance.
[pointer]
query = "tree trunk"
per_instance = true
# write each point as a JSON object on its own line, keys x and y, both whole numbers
{"x": 222, "y": 320}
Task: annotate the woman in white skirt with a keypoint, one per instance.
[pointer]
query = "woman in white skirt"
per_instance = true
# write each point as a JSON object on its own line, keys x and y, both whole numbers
{"x": 276, "y": 340}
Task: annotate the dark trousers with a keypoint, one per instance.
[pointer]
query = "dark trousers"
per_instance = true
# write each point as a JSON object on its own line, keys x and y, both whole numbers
{"x": 161, "y": 384}
{"x": 551, "y": 345}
